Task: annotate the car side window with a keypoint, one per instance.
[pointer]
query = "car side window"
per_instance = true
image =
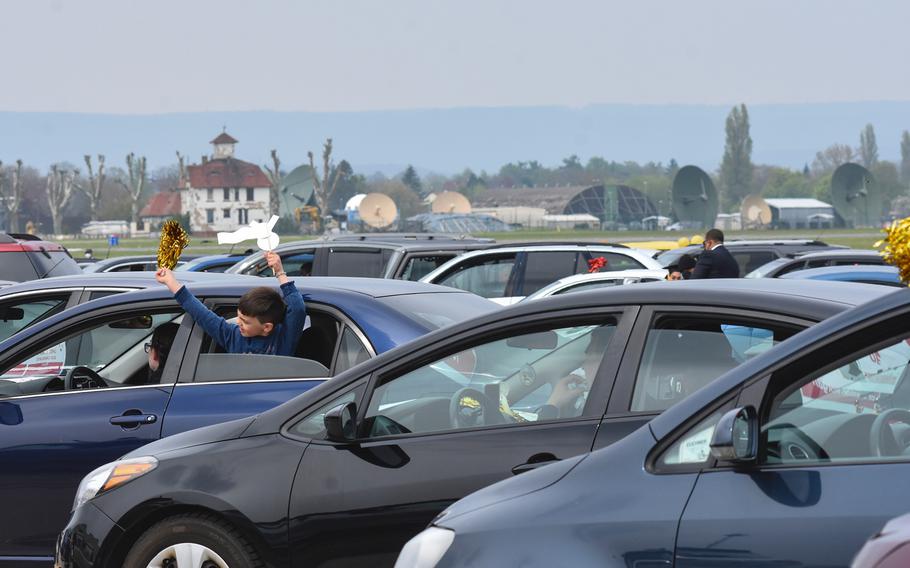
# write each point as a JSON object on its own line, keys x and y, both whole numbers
{"x": 296, "y": 263}
{"x": 750, "y": 260}
{"x": 485, "y": 276}
{"x": 693, "y": 447}
{"x": 545, "y": 267}
{"x": 610, "y": 262}
{"x": 683, "y": 353}
{"x": 364, "y": 262}
{"x": 351, "y": 352}
{"x": 857, "y": 411}
{"x": 545, "y": 375}
{"x": 19, "y": 313}
{"x": 417, "y": 267}
{"x": 313, "y": 425}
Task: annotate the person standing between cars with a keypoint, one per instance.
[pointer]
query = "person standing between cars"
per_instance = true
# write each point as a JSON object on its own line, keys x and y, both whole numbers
{"x": 267, "y": 322}
{"x": 716, "y": 261}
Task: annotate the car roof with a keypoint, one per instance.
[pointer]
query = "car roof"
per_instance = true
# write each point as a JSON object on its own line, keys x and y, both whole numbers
{"x": 856, "y": 271}
{"x": 408, "y": 237}
{"x": 876, "y": 307}
{"x": 838, "y": 253}
{"x": 814, "y": 300}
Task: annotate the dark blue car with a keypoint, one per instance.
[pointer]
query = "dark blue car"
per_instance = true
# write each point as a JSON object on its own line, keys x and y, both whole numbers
{"x": 76, "y": 390}
{"x": 211, "y": 263}
{"x": 793, "y": 459}
{"x": 883, "y": 275}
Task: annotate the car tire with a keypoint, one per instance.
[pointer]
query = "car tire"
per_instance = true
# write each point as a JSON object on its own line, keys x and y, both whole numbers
{"x": 209, "y": 541}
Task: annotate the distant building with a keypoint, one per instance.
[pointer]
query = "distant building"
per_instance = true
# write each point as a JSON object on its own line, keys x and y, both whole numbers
{"x": 224, "y": 193}
{"x": 800, "y": 213}
{"x": 162, "y": 206}
{"x": 571, "y": 222}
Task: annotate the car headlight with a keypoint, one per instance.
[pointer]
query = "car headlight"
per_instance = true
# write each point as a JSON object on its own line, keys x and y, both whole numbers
{"x": 426, "y": 549}
{"x": 112, "y": 475}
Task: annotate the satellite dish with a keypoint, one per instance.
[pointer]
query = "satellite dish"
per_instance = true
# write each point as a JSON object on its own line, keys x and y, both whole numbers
{"x": 856, "y": 196}
{"x": 451, "y": 202}
{"x": 377, "y": 210}
{"x": 296, "y": 190}
{"x": 755, "y": 212}
{"x": 354, "y": 202}
{"x": 694, "y": 198}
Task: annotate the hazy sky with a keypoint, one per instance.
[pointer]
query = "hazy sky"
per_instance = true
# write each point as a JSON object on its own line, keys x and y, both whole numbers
{"x": 153, "y": 56}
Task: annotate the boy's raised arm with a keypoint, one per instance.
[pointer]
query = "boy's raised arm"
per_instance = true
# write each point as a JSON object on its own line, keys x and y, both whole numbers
{"x": 219, "y": 329}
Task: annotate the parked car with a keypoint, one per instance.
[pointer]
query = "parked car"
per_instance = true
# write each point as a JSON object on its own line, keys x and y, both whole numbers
{"x": 23, "y": 304}
{"x": 75, "y": 388}
{"x": 401, "y": 259}
{"x": 26, "y": 257}
{"x": 838, "y": 257}
{"x": 593, "y": 281}
{"x": 137, "y": 263}
{"x": 507, "y": 273}
{"x": 884, "y": 275}
{"x": 347, "y": 472}
{"x": 888, "y": 548}
{"x": 750, "y": 254}
{"x": 212, "y": 262}
{"x": 793, "y": 459}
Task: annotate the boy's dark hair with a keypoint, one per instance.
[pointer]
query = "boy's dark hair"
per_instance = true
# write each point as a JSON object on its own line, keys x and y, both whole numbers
{"x": 264, "y": 304}
{"x": 714, "y": 235}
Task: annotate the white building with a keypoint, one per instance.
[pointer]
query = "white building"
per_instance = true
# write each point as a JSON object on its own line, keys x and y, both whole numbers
{"x": 224, "y": 193}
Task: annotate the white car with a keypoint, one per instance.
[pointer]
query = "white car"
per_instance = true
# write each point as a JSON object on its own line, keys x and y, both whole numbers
{"x": 583, "y": 282}
{"x": 509, "y": 272}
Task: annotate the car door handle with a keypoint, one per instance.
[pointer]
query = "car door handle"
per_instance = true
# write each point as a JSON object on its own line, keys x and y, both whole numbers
{"x": 534, "y": 462}
{"x": 132, "y": 420}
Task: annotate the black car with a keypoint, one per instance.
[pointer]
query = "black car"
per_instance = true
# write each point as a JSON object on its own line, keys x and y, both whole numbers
{"x": 793, "y": 459}
{"x": 838, "y": 257}
{"x": 750, "y": 254}
{"x": 347, "y": 472}
{"x": 27, "y": 257}
{"x": 401, "y": 258}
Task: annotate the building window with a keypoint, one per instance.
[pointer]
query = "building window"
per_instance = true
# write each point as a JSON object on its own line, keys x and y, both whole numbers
{"x": 249, "y": 194}
{"x": 209, "y": 215}
{"x": 227, "y": 213}
{"x": 243, "y": 216}
{"x": 210, "y": 195}
{"x": 227, "y": 194}
{"x": 236, "y": 194}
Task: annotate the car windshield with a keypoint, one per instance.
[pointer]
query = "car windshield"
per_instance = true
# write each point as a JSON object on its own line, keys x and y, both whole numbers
{"x": 766, "y": 268}
{"x": 436, "y": 310}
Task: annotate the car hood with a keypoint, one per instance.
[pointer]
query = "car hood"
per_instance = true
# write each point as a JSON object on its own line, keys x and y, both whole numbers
{"x": 511, "y": 488}
{"x": 205, "y": 435}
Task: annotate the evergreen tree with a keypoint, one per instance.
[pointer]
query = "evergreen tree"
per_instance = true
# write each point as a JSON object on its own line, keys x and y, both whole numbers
{"x": 868, "y": 149}
{"x": 412, "y": 180}
{"x": 905, "y": 157}
{"x": 736, "y": 166}
{"x": 672, "y": 169}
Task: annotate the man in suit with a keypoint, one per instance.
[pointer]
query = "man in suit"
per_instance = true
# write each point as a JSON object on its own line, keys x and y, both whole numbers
{"x": 716, "y": 261}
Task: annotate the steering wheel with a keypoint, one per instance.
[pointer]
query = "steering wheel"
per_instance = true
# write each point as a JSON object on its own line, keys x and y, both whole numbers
{"x": 887, "y": 445}
{"x": 80, "y": 377}
{"x": 470, "y": 408}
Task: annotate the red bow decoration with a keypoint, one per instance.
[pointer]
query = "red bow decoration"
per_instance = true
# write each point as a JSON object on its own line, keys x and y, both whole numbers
{"x": 595, "y": 264}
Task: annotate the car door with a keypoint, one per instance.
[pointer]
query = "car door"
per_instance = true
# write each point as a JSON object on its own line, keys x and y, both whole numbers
{"x": 674, "y": 351}
{"x": 446, "y": 422}
{"x": 833, "y": 460}
{"x": 211, "y": 389}
{"x": 53, "y": 430}
{"x": 540, "y": 268}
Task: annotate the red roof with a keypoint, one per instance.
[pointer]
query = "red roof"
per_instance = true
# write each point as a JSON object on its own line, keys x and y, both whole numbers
{"x": 162, "y": 204}
{"x": 223, "y": 138}
{"x": 226, "y": 172}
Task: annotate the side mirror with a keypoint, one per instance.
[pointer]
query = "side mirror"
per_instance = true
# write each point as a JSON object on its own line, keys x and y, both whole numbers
{"x": 340, "y": 423}
{"x": 736, "y": 436}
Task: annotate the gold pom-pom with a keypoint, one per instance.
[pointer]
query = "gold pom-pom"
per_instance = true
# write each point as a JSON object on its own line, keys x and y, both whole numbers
{"x": 173, "y": 241}
{"x": 897, "y": 247}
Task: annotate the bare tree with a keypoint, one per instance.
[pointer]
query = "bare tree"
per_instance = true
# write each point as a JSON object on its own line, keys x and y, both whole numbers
{"x": 60, "y": 186}
{"x": 13, "y": 196}
{"x": 274, "y": 175}
{"x": 831, "y": 157}
{"x": 135, "y": 170}
{"x": 96, "y": 185}
{"x": 181, "y": 168}
{"x": 323, "y": 189}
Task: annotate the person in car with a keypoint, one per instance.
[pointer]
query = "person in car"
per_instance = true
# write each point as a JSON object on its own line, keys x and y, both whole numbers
{"x": 267, "y": 322}
{"x": 683, "y": 269}
{"x": 158, "y": 349}
{"x": 570, "y": 392}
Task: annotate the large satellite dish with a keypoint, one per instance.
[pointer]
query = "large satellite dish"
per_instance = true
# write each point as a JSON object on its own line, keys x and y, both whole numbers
{"x": 377, "y": 210}
{"x": 755, "y": 212}
{"x": 694, "y": 198}
{"x": 856, "y": 196}
{"x": 296, "y": 190}
{"x": 451, "y": 202}
{"x": 354, "y": 202}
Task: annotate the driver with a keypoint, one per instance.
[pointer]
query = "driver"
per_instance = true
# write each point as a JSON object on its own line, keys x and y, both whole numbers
{"x": 158, "y": 349}
{"x": 570, "y": 392}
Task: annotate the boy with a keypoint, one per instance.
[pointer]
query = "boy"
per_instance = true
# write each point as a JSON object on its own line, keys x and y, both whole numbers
{"x": 265, "y": 323}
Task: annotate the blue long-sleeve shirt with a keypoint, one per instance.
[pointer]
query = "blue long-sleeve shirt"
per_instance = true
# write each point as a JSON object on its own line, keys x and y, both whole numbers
{"x": 282, "y": 341}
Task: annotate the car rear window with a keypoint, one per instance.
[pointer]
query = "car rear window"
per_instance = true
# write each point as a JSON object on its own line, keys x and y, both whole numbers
{"x": 54, "y": 263}
{"x": 16, "y": 266}
{"x": 436, "y": 310}
{"x": 369, "y": 263}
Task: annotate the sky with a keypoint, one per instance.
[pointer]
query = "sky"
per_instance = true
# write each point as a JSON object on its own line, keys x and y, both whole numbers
{"x": 166, "y": 56}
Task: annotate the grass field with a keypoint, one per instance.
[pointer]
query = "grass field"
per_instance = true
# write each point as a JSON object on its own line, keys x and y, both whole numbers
{"x": 855, "y": 238}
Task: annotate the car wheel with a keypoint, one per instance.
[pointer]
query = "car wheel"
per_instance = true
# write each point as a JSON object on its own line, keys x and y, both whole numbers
{"x": 192, "y": 541}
